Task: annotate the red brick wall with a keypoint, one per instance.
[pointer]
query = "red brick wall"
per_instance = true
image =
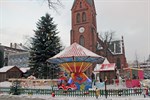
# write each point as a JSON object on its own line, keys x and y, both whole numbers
{"x": 90, "y": 37}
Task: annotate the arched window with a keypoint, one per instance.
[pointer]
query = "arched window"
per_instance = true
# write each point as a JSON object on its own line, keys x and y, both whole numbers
{"x": 83, "y": 17}
{"x": 78, "y": 18}
{"x": 81, "y": 41}
{"x": 80, "y": 4}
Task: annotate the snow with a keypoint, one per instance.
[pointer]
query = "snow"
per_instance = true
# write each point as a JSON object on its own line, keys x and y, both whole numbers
{"x": 5, "y": 68}
{"x": 49, "y": 97}
{"x": 105, "y": 66}
{"x": 5, "y": 84}
{"x": 24, "y": 70}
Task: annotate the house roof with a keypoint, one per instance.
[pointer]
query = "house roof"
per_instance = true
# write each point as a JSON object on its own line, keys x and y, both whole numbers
{"x": 106, "y": 66}
{"x": 24, "y": 70}
{"x": 6, "y": 68}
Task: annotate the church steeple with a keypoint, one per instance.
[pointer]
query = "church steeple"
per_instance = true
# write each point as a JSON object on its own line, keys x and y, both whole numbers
{"x": 90, "y": 2}
{"x": 84, "y": 28}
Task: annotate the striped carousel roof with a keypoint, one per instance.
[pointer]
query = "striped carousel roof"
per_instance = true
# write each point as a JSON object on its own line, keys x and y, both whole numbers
{"x": 76, "y": 53}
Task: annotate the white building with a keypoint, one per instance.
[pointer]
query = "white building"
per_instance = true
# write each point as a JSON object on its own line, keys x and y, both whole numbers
{"x": 18, "y": 59}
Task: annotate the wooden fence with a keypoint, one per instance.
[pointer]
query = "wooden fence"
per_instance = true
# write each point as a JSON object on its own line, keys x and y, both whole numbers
{"x": 91, "y": 93}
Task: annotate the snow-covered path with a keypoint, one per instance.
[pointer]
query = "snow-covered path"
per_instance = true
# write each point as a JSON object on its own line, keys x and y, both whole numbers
{"x": 48, "y": 97}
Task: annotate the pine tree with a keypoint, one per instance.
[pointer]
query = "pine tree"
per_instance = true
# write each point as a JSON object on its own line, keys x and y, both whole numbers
{"x": 1, "y": 58}
{"x": 45, "y": 44}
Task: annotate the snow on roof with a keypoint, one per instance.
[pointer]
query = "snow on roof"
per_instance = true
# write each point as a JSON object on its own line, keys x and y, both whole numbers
{"x": 19, "y": 46}
{"x": 24, "y": 70}
{"x": 106, "y": 61}
{"x": 6, "y": 68}
{"x": 98, "y": 66}
{"x": 105, "y": 67}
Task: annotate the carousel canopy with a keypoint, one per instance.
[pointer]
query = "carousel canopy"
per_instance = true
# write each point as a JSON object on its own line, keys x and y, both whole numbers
{"x": 76, "y": 53}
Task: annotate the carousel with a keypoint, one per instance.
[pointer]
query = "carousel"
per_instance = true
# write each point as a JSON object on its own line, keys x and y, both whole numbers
{"x": 75, "y": 60}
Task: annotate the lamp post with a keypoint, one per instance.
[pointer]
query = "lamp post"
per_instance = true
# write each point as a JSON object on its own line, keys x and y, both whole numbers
{"x": 105, "y": 87}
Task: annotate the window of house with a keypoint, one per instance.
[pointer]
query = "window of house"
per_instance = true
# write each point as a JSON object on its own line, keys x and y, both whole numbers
{"x": 83, "y": 17}
{"x": 78, "y": 18}
{"x": 81, "y": 41}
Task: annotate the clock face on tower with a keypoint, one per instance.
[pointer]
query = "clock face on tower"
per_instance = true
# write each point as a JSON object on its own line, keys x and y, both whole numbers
{"x": 81, "y": 29}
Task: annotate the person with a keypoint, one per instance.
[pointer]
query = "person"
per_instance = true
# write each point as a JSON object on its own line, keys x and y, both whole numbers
{"x": 97, "y": 93}
{"x": 101, "y": 80}
{"x": 145, "y": 91}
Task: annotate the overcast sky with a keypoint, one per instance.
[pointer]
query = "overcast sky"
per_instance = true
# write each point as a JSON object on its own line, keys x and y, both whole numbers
{"x": 129, "y": 18}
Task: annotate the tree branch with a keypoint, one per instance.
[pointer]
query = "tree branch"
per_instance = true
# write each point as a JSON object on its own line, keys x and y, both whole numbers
{"x": 52, "y": 4}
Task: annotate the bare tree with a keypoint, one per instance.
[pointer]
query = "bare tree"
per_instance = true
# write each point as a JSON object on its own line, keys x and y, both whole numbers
{"x": 107, "y": 37}
{"x": 52, "y": 4}
{"x": 136, "y": 60}
{"x": 27, "y": 41}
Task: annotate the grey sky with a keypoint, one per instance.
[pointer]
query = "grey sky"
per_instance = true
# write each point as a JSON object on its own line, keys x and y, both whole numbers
{"x": 130, "y": 18}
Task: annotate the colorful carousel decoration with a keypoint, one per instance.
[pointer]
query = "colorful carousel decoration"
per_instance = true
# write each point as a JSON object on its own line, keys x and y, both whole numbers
{"x": 75, "y": 60}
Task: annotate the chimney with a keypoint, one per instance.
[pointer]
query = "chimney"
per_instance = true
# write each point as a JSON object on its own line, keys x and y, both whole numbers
{"x": 11, "y": 45}
{"x": 15, "y": 45}
{"x": 20, "y": 44}
{"x": 123, "y": 48}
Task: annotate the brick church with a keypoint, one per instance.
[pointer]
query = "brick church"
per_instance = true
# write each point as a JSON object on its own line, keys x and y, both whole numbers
{"x": 84, "y": 32}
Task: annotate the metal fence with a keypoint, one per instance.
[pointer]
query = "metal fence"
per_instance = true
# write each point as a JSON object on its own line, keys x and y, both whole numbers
{"x": 84, "y": 93}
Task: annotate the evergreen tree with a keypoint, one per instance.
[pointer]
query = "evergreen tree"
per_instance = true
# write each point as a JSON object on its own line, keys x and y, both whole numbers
{"x": 1, "y": 58}
{"x": 45, "y": 44}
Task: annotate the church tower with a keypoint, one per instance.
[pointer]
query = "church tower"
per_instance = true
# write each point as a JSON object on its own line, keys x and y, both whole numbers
{"x": 84, "y": 32}
{"x": 84, "y": 28}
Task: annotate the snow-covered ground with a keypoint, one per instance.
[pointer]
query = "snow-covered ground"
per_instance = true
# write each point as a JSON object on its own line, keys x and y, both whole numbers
{"x": 5, "y": 84}
{"x": 49, "y": 97}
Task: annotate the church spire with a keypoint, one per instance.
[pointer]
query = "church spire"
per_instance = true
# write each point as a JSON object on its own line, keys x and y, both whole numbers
{"x": 90, "y": 2}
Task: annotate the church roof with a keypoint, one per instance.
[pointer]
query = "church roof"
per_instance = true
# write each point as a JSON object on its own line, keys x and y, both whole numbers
{"x": 88, "y": 1}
